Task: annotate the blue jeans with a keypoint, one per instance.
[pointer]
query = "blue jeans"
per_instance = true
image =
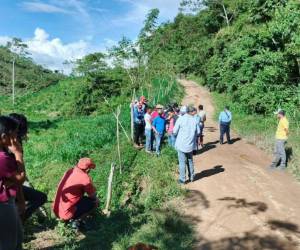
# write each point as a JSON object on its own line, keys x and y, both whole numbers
{"x": 225, "y": 129}
{"x": 148, "y": 134}
{"x": 171, "y": 140}
{"x": 158, "y": 138}
{"x": 185, "y": 158}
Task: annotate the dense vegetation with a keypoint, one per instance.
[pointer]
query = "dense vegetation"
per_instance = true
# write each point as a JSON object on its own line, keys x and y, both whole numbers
{"x": 243, "y": 48}
{"x": 247, "y": 53}
{"x": 28, "y": 75}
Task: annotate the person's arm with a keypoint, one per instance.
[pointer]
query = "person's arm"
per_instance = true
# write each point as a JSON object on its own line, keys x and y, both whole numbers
{"x": 198, "y": 129}
{"x": 220, "y": 117}
{"x": 20, "y": 176}
{"x": 177, "y": 126}
{"x": 153, "y": 126}
{"x": 91, "y": 190}
{"x": 286, "y": 128}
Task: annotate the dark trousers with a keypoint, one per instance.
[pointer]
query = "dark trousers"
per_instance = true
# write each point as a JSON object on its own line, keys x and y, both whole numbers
{"x": 224, "y": 129}
{"x": 84, "y": 206}
{"x": 34, "y": 199}
{"x": 138, "y": 133}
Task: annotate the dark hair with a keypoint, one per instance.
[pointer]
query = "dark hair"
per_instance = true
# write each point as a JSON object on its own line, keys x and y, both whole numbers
{"x": 7, "y": 125}
{"x": 200, "y": 107}
{"x": 227, "y": 107}
{"x": 22, "y": 124}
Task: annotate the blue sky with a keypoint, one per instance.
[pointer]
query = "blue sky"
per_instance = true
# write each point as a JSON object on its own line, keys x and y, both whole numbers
{"x": 58, "y": 30}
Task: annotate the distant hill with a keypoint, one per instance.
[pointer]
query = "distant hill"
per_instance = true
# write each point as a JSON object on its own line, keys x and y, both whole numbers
{"x": 28, "y": 75}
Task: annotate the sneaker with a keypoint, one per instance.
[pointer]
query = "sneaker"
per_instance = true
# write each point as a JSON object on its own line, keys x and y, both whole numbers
{"x": 181, "y": 182}
{"x": 271, "y": 167}
{"x": 75, "y": 224}
{"x": 282, "y": 168}
{"x": 148, "y": 151}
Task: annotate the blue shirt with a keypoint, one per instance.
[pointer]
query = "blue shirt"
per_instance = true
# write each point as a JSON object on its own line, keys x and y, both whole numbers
{"x": 225, "y": 117}
{"x": 159, "y": 124}
{"x": 138, "y": 115}
{"x": 186, "y": 129}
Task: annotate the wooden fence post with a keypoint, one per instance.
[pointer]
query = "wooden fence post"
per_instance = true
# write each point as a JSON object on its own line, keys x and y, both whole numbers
{"x": 109, "y": 190}
{"x": 118, "y": 138}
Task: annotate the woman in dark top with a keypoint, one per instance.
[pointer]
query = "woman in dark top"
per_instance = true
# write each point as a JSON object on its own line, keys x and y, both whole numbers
{"x": 11, "y": 177}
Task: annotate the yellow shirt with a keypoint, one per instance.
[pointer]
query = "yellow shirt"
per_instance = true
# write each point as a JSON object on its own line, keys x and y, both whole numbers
{"x": 283, "y": 125}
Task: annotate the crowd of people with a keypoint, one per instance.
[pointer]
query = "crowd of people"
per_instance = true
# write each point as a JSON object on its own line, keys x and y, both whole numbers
{"x": 183, "y": 128}
{"x": 75, "y": 199}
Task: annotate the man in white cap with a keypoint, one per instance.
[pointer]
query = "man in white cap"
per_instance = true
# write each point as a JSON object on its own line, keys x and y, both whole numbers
{"x": 281, "y": 139}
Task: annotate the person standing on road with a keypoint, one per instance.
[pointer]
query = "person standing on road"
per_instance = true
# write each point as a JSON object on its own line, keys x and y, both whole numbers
{"x": 186, "y": 129}
{"x": 202, "y": 116}
{"x": 158, "y": 126}
{"x": 148, "y": 130}
{"x": 281, "y": 139}
{"x": 139, "y": 124}
{"x": 225, "y": 119}
{"x": 171, "y": 120}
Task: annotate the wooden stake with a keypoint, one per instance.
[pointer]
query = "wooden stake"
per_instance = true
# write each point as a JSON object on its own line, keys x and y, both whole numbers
{"x": 109, "y": 190}
{"x": 118, "y": 139}
{"x": 120, "y": 123}
{"x": 132, "y": 114}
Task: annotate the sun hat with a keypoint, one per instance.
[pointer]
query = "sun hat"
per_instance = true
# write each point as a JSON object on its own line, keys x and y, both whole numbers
{"x": 86, "y": 163}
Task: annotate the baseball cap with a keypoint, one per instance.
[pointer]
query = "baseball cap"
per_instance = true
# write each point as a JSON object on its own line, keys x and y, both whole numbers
{"x": 158, "y": 106}
{"x": 86, "y": 163}
{"x": 183, "y": 109}
{"x": 279, "y": 112}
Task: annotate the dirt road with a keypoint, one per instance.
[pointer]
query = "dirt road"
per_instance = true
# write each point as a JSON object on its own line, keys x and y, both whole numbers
{"x": 236, "y": 202}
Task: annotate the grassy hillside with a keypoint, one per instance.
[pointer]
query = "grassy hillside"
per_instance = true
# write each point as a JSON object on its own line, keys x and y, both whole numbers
{"x": 58, "y": 138}
{"x": 28, "y": 75}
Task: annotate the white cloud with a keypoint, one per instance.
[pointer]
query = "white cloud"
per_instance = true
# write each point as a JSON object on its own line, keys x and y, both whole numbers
{"x": 52, "y": 53}
{"x": 140, "y": 8}
{"x": 4, "y": 40}
{"x": 34, "y": 6}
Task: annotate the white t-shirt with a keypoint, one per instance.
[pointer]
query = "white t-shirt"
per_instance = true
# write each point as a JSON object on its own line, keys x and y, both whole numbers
{"x": 148, "y": 121}
{"x": 202, "y": 115}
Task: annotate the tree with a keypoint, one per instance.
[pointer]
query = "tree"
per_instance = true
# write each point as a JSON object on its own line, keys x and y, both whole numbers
{"x": 17, "y": 46}
{"x": 91, "y": 64}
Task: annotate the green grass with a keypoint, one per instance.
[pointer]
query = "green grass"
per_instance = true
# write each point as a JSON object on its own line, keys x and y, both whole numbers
{"x": 58, "y": 138}
{"x": 260, "y": 130}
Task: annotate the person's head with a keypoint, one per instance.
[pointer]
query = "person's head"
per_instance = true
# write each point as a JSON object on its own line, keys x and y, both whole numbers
{"x": 149, "y": 110}
{"x": 175, "y": 105}
{"x": 280, "y": 113}
{"x": 200, "y": 107}
{"x": 86, "y": 164}
{"x": 171, "y": 112}
{"x": 183, "y": 110}
{"x": 192, "y": 110}
{"x": 160, "y": 111}
{"x": 8, "y": 131}
{"x": 226, "y": 108}
{"x": 22, "y": 125}
{"x": 143, "y": 99}
{"x": 140, "y": 105}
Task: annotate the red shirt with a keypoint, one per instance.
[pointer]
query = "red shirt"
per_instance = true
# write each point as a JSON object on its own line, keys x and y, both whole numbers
{"x": 8, "y": 167}
{"x": 74, "y": 184}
